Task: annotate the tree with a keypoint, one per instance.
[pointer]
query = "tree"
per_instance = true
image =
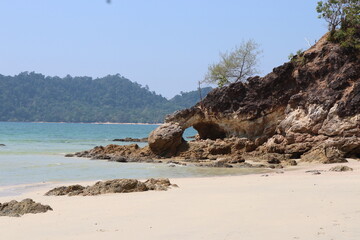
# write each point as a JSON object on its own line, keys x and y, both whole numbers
{"x": 339, "y": 13}
{"x": 343, "y": 17}
{"x": 235, "y": 66}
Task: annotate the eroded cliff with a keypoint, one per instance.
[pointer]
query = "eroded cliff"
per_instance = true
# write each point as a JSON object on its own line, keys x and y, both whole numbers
{"x": 307, "y": 108}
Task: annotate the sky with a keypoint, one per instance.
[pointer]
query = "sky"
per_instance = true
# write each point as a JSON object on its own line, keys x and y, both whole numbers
{"x": 165, "y": 44}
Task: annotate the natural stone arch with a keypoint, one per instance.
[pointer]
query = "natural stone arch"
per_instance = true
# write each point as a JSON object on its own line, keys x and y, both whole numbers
{"x": 166, "y": 139}
{"x": 209, "y": 130}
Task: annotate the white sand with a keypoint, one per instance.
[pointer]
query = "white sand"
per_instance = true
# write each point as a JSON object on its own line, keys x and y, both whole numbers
{"x": 292, "y": 205}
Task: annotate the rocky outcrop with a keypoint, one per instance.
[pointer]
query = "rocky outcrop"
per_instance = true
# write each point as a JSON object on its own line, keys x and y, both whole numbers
{"x": 113, "y": 186}
{"x": 308, "y": 108}
{"x": 118, "y": 153}
{"x": 17, "y": 209}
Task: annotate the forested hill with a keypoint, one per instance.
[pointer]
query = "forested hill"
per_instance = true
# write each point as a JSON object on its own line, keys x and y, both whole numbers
{"x": 34, "y": 97}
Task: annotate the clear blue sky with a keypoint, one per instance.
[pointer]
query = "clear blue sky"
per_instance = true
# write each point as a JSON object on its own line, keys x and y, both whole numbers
{"x": 165, "y": 44}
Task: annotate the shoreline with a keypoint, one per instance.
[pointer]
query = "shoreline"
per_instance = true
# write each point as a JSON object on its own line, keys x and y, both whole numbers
{"x": 290, "y": 205}
{"x": 302, "y": 166}
{"x": 38, "y": 186}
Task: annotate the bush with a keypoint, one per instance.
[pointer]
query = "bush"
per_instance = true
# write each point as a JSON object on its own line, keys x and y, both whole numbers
{"x": 347, "y": 38}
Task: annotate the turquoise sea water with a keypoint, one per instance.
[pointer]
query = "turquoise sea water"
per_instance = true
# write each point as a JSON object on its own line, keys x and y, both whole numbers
{"x": 34, "y": 153}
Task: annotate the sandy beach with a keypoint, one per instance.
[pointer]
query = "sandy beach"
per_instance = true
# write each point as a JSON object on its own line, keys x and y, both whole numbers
{"x": 274, "y": 206}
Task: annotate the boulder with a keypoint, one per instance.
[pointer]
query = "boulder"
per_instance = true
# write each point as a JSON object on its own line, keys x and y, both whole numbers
{"x": 17, "y": 209}
{"x": 166, "y": 139}
{"x": 324, "y": 155}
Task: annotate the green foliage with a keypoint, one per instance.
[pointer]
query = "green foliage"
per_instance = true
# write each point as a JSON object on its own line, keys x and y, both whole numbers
{"x": 186, "y": 100}
{"x": 34, "y": 97}
{"x": 343, "y": 17}
{"x": 235, "y": 66}
{"x": 297, "y": 58}
{"x": 347, "y": 38}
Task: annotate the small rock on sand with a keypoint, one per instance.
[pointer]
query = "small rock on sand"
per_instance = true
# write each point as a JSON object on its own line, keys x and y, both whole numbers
{"x": 113, "y": 186}
{"x": 340, "y": 168}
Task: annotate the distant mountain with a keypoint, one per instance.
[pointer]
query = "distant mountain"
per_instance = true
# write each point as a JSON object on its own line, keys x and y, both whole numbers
{"x": 34, "y": 97}
{"x": 187, "y": 99}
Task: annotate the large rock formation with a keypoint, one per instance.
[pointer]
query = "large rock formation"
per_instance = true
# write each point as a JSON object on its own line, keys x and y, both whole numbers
{"x": 308, "y": 109}
{"x": 308, "y": 105}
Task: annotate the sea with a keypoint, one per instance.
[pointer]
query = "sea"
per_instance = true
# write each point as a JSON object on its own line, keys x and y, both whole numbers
{"x": 33, "y": 154}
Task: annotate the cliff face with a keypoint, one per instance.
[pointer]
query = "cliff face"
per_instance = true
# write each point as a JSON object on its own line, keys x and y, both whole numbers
{"x": 306, "y": 106}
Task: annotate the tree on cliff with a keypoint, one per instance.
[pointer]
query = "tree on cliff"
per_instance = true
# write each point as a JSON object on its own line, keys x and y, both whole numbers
{"x": 343, "y": 17}
{"x": 235, "y": 66}
{"x": 343, "y": 13}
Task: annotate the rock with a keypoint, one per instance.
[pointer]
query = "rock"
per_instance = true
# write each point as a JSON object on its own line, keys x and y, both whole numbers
{"x": 341, "y": 168}
{"x": 275, "y": 166}
{"x": 118, "y": 153}
{"x": 166, "y": 139}
{"x": 70, "y": 155}
{"x": 2, "y": 145}
{"x": 324, "y": 154}
{"x": 274, "y": 161}
{"x": 115, "y": 186}
{"x": 236, "y": 159}
{"x": 221, "y": 164}
{"x": 191, "y": 137}
{"x": 112, "y": 186}
{"x": 16, "y": 209}
{"x": 291, "y": 162}
{"x": 119, "y": 159}
{"x": 61, "y": 191}
{"x": 220, "y": 149}
{"x": 159, "y": 184}
{"x": 314, "y": 172}
{"x": 129, "y": 139}
{"x": 102, "y": 157}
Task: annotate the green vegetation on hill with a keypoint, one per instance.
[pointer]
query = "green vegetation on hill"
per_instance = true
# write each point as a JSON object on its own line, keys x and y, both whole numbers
{"x": 188, "y": 99}
{"x": 35, "y": 97}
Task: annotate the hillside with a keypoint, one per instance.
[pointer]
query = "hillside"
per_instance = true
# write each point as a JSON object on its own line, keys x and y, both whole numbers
{"x": 34, "y": 97}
